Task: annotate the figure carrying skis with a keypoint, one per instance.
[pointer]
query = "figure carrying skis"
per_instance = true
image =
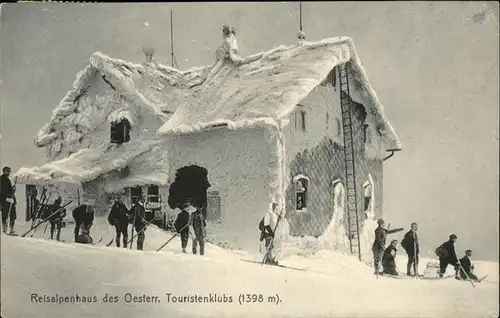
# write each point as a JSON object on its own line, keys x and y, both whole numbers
{"x": 267, "y": 225}
{"x": 58, "y": 213}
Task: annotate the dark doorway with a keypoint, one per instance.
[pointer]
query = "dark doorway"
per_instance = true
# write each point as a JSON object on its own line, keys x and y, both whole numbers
{"x": 190, "y": 182}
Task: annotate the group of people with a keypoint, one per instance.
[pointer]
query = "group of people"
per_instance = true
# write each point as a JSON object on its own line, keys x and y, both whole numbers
{"x": 410, "y": 243}
{"x": 191, "y": 216}
{"x": 120, "y": 217}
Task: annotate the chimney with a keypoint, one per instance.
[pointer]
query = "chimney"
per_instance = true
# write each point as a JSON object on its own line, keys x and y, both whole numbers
{"x": 148, "y": 52}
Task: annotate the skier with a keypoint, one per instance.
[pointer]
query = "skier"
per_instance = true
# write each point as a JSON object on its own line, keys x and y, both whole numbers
{"x": 138, "y": 214}
{"x": 379, "y": 243}
{"x": 84, "y": 217}
{"x": 181, "y": 225}
{"x": 56, "y": 219}
{"x": 467, "y": 266}
{"x": 267, "y": 225}
{"x": 388, "y": 260}
{"x": 447, "y": 256}
{"x": 7, "y": 201}
{"x": 199, "y": 227}
{"x": 410, "y": 244}
{"x": 119, "y": 218}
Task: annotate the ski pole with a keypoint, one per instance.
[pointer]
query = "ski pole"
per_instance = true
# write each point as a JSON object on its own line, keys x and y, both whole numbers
{"x": 133, "y": 224}
{"x": 45, "y": 220}
{"x": 142, "y": 230}
{"x": 173, "y": 236}
{"x": 466, "y": 275}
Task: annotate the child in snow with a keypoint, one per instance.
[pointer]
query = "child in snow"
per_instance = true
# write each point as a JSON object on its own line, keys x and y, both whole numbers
{"x": 267, "y": 226}
{"x": 378, "y": 247}
{"x": 181, "y": 225}
{"x": 467, "y": 267}
{"x": 447, "y": 256}
{"x": 388, "y": 260}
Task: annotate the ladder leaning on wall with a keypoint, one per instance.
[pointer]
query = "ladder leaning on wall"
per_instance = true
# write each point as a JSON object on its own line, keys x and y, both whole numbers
{"x": 349, "y": 152}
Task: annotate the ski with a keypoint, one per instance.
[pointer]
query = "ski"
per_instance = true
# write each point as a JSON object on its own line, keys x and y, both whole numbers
{"x": 278, "y": 265}
{"x": 110, "y": 242}
{"x": 475, "y": 280}
{"x": 97, "y": 242}
{"x": 46, "y": 219}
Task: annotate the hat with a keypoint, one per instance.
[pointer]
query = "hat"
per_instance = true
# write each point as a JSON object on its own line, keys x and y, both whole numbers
{"x": 453, "y": 236}
{"x": 468, "y": 251}
{"x": 380, "y": 221}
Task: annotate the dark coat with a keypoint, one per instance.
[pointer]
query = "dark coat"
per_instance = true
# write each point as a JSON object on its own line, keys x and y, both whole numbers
{"x": 199, "y": 223}
{"x": 138, "y": 217}
{"x": 119, "y": 215}
{"x": 381, "y": 238}
{"x": 81, "y": 216}
{"x": 6, "y": 189}
{"x": 182, "y": 221}
{"x": 448, "y": 252}
{"x": 467, "y": 265}
{"x": 388, "y": 260}
{"x": 410, "y": 243}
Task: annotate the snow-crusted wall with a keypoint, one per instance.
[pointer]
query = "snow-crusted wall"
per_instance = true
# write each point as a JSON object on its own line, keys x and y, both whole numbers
{"x": 239, "y": 165}
{"x": 318, "y": 154}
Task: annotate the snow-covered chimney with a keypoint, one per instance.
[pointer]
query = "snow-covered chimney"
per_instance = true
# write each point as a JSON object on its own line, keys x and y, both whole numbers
{"x": 148, "y": 52}
{"x": 229, "y": 46}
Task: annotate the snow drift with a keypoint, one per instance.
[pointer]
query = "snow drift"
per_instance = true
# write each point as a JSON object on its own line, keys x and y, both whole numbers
{"x": 335, "y": 286}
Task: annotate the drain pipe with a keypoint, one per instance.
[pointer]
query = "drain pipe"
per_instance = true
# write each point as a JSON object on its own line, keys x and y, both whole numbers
{"x": 392, "y": 151}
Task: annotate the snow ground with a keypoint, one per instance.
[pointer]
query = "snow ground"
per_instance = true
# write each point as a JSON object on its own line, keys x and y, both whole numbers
{"x": 336, "y": 285}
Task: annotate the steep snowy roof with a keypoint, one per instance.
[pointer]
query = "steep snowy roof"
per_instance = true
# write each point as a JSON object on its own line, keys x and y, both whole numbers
{"x": 140, "y": 157}
{"x": 267, "y": 86}
{"x": 151, "y": 87}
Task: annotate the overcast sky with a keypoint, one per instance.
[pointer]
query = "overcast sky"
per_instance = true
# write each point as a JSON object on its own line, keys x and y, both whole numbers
{"x": 433, "y": 67}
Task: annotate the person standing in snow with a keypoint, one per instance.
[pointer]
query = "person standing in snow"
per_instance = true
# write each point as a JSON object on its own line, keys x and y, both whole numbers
{"x": 56, "y": 219}
{"x": 388, "y": 260}
{"x": 378, "y": 247}
{"x": 199, "y": 228}
{"x": 447, "y": 256}
{"x": 267, "y": 226}
{"x": 7, "y": 201}
{"x": 139, "y": 222}
{"x": 181, "y": 225}
{"x": 119, "y": 218}
{"x": 410, "y": 244}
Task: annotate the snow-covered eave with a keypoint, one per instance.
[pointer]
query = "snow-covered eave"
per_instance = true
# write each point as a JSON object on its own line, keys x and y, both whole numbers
{"x": 263, "y": 122}
{"x": 69, "y": 170}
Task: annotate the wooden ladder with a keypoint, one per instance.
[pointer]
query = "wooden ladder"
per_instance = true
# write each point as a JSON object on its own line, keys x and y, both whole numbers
{"x": 352, "y": 202}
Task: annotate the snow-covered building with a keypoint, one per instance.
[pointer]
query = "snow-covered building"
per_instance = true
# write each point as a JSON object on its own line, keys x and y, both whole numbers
{"x": 267, "y": 128}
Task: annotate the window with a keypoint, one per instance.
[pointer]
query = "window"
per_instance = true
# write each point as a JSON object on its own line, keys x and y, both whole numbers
{"x": 366, "y": 133}
{"x": 153, "y": 202}
{"x": 120, "y": 131}
{"x": 339, "y": 126}
{"x": 213, "y": 206}
{"x": 300, "y": 120}
{"x": 367, "y": 199}
{"x": 301, "y": 193}
{"x": 135, "y": 194}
